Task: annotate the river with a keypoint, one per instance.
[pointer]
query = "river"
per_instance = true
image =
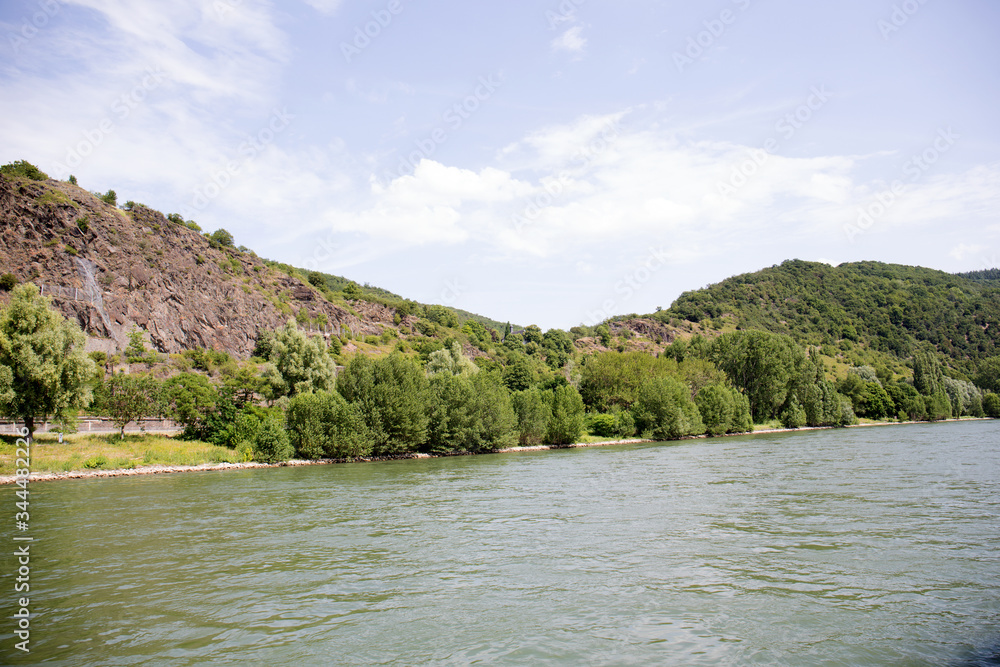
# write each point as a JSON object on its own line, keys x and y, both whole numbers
{"x": 868, "y": 546}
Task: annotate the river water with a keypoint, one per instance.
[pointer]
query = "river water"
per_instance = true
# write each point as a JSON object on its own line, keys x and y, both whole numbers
{"x": 869, "y": 546}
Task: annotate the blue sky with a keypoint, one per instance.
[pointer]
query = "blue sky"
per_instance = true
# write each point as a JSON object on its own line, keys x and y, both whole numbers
{"x": 539, "y": 162}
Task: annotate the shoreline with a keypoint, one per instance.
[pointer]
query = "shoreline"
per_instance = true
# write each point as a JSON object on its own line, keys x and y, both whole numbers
{"x": 295, "y": 463}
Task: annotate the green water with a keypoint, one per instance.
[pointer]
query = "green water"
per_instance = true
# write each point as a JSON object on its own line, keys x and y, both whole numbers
{"x": 876, "y": 546}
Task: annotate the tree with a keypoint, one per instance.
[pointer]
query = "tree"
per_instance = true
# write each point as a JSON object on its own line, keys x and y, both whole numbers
{"x": 24, "y": 169}
{"x": 991, "y": 405}
{"x": 392, "y": 394}
{"x": 567, "y": 422}
{"x": 470, "y": 414}
{"x": 928, "y": 378}
{"x": 223, "y": 238}
{"x": 301, "y": 363}
{"x": 533, "y": 413}
{"x": 988, "y": 375}
{"x": 519, "y": 374}
{"x": 110, "y": 197}
{"x": 664, "y": 410}
{"x": 136, "y": 350}
{"x": 324, "y": 424}
{"x": 189, "y": 398}
{"x": 130, "y": 398}
{"x": 266, "y": 435}
{"x": 761, "y": 364}
{"x": 450, "y": 361}
{"x": 613, "y": 379}
{"x": 43, "y": 368}
{"x": 723, "y": 410}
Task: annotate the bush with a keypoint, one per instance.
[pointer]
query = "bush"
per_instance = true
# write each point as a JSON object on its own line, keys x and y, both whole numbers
{"x": 23, "y": 169}
{"x": 324, "y": 424}
{"x": 8, "y": 281}
{"x": 723, "y": 410}
{"x": 567, "y": 422}
{"x": 110, "y": 197}
{"x": 222, "y": 238}
{"x": 664, "y": 410}
{"x": 72, "y": 179}
{"x": 533, "y": 412}
{"x": 991, "y": 405}
{"x": 271, "y": 443}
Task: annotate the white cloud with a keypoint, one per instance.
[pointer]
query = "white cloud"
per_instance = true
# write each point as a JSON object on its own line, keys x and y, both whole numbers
{"x": 570, "y": 41}
{"x": 963, "y": 250}
{"x": 327, "y": 7}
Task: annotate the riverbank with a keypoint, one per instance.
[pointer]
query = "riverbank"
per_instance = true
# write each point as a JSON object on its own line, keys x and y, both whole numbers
{"x": 162, "y": 469}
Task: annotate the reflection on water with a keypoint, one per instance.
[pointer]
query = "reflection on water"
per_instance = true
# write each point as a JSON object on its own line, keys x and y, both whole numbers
{"x": 861, "y": 546}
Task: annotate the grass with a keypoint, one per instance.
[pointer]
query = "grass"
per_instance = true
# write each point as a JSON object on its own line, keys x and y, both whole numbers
{"x": 107, "y": 452}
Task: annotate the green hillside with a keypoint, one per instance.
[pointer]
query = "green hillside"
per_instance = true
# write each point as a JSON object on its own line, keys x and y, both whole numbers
{"x": 887, "y": 308}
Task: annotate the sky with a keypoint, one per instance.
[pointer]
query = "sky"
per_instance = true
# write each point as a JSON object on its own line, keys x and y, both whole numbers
{"x": 549, "y": 162}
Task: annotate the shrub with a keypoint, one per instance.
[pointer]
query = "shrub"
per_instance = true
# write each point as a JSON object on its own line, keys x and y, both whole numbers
{"x": 271, "y": 443}
{"x": 23, "y": 169}
{"x": 72, "y": 179}
{"x": 110, "y": 197}
{"x": 8, "y": 281}
{"x": 991, "y": 405}
{"x": 664, "y": 410}
{"x": 567, "y": 422}
{"x": 324, "y": 424}
{"x": 222, "y": 237}
{"x": 533, "y": 412}
{"x": 723, "y": 410}
{"x": 83, "y": 224}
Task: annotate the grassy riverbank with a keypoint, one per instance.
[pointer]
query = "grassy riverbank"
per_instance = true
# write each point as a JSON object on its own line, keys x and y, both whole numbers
{"x": 108, "y": 452}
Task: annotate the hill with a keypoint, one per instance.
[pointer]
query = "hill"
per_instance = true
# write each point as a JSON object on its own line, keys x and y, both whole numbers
{"x": 888, "y": 309}
{"x": 115, "y": 270}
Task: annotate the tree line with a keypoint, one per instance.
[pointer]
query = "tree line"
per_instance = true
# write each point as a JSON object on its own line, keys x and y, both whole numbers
{"x": 439, "y": 400}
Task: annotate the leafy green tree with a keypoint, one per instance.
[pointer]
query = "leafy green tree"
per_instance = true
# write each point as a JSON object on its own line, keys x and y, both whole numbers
{"x": 794, "y": 415}
{"x": 442, "y": 315}
{"x": 351, "y": 291}
{"x": 533, "y": 334}
{"x": 270, "y": 440}
{"x": 519, "y": 374}
{"x": 223, "y": 238}
{"x": 110, "y": 197}
{"x": 603, "y": 334}
{"x": 43, "y": 368}
{"x": 24, "y": 169}
{"x": 393, "y": 395}
{"x": 991, "y": 405}
{"x": 822, "y": 404}
{"x": 136, "y": 350}
{"x": 613, "y": 379}
{"x": 928, "y": 377}
{"x": 302, "y": 364}
{"x": 566, "y": 423}
{"x": 470, "y": 414}
{"x": 533, "y": 411}
{"x": 189, "y": 399}
{"x": 723, "y": 410}
{"x": 664, "y": 410}
{"x": 988, "y": 375}
{"x": 450, "y": 361}
{"x": 324, "y": 424}
{"x": 938, "y": 406}
{"x": 761, "y": 364}
{"x": 131, "y": 398}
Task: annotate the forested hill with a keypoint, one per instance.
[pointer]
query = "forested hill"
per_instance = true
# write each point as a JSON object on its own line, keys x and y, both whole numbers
{"x": 886, "y": 307}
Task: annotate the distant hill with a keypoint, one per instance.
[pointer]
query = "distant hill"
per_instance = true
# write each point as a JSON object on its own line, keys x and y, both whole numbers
{"x": 888, "y": 308}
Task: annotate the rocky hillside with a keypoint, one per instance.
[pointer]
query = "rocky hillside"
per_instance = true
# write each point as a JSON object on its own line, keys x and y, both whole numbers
{"x": 114, "y": 271}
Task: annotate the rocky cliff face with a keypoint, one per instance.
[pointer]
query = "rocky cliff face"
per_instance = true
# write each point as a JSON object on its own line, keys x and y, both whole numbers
{"x": 113, "y": 271}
